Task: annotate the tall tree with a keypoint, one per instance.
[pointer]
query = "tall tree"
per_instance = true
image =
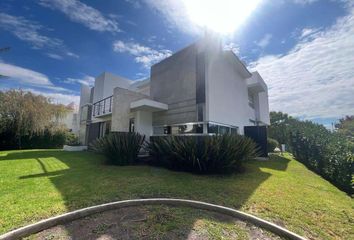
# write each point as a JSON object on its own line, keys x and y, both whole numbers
{"x": 346, "y": 127}
{"x": 24, "y": 113}
{"x": 279, "y": 126}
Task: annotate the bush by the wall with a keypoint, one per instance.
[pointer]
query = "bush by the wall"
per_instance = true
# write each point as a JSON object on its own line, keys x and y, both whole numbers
{"x": 120, "y": 148}
{"x": 45, "y": 139}
{"x": 271, "y": 144}
{"x": 71, "y": 139}
{"x": 202, "y": 154}
{"x": 327, "y": 153}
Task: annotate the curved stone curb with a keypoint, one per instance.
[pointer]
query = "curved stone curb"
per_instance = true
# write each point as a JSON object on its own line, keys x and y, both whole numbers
{"x": 67, "y": 217}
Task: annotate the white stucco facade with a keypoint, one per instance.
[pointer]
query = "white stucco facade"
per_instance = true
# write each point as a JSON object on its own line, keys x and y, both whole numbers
{"x": 226, "y": 91}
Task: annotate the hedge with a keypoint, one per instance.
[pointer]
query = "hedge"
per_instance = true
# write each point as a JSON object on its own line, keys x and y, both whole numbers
{"x": 327, "y": 153}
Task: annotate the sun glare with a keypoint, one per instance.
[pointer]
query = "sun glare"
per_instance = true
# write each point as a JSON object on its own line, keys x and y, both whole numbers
{"x": 222, "y": 16}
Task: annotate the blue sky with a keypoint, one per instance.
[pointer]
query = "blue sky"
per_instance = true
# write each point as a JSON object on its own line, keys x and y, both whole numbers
{"x": 304, "y": 49}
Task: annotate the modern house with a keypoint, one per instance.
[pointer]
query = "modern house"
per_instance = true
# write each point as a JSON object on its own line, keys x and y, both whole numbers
{"x": 201, "y": 89}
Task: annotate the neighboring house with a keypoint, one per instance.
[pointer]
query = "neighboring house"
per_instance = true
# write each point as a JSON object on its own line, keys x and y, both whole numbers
{"x": 201, "y": 89}
{"x": 71, "y": 119}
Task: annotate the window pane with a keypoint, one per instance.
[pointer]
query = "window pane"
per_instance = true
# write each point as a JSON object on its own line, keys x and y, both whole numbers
{"x": 167, "y": 130}
{"x": 223, "y": 130}
{"x": 158, "y": 130}
{"x": 199, "y": 128}
{"x": 212, "y": 128}
{"x": 234, "y": 130}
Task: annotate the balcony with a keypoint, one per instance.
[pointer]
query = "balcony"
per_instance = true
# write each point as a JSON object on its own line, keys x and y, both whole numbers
{"x": 102, "y": 107}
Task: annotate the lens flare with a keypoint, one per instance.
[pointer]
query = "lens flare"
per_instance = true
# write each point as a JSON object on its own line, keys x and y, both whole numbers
{"x": 222, "y": 16}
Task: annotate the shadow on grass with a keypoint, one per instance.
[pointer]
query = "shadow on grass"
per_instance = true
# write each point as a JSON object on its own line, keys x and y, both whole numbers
{"x": 83, "y": 180}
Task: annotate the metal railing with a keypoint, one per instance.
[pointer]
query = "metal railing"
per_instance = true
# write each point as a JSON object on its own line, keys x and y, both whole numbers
{"x": 102, "y": 107}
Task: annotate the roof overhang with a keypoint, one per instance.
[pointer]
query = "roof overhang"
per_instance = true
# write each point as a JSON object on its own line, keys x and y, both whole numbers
{"x": 148, "y": 105}
{"x": 256, "y": 84}
{"x": 240, "y": 67}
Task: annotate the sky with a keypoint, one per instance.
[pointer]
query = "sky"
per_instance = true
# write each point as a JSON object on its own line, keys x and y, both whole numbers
{"x": 304, "y": 49}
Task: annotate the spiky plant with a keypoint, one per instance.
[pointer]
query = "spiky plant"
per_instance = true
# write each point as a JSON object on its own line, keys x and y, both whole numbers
{"x": 202, "y": 154}
{"x": 120, "y": 148}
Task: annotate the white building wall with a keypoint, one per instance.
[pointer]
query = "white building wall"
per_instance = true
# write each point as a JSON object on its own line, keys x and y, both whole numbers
{"x": 226, "y": 93}
{"x": 252, "y": 115}
{"x": 85, "y": 92}
{"x": 104, "y": 87}
{"x": 105, "y": 84}
{"x": 143, "y": 123}
{"x": 264, "y": 107}
{"x": 99, "y": 84}
{"x": 256, "y": 107}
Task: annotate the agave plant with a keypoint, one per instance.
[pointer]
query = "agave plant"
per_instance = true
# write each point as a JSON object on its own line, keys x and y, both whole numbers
{"x": 120, "y": 148}
{"x": 202, "y": 154}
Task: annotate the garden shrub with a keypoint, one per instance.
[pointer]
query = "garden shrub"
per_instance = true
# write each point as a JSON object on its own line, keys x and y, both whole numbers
{"x": 271, "y": 144}
{"x": 120, "y": 148}
{"x": 71, "y": 139}
{"x": 202, "y": 154}
{"x": 327, "y": 153}
{"x": 45, "y": 139}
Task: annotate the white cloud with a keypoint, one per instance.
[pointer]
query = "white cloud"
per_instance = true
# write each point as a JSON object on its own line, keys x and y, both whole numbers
{"x": 142, "y": 54}
{"x": 316, "y": 78}
{"x": 55, "y": 56}
{"x": 27, "y": 77}
{"x": 71, "y": 54}
{"x": 81, "y": 13}
{"x": 304, "y": 2}
{"x": 29, "y": 31}
{"x": 175, "y": 14}
{"x": 134, "y": 3}
{"x": 24, "y": 75}
{"x": 86, "y": 80}
{"x": 264, "y": 41}
{"x": 306, "y": 32}
{"x": 57, "y": 97}
{"x": 232, "y": 47}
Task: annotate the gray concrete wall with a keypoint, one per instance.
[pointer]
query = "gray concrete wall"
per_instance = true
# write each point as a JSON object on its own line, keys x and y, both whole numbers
{"x": 121, "y": 108}
{"x": 173, "y": 82}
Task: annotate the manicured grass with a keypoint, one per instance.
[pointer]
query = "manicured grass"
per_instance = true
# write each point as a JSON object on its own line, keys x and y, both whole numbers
{"x": 41, "y": 183}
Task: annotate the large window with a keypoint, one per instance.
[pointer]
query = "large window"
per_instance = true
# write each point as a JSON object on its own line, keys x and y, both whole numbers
{"x": 214, "y": 128}
{"x": 190, "y": 128}
{"x": 195, "y": 128}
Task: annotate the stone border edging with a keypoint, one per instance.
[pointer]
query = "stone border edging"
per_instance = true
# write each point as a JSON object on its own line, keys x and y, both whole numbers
{"x": 67, "y": 217}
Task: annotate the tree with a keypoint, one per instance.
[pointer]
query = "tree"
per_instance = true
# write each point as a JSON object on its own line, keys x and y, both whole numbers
{"x": 346, "y": 127}
{"x": 279, "y": 126}
{"x": 23, "y": 113}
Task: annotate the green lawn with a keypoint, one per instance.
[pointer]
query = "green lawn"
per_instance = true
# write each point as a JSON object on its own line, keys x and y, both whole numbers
{"x": 41, "y": 183}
